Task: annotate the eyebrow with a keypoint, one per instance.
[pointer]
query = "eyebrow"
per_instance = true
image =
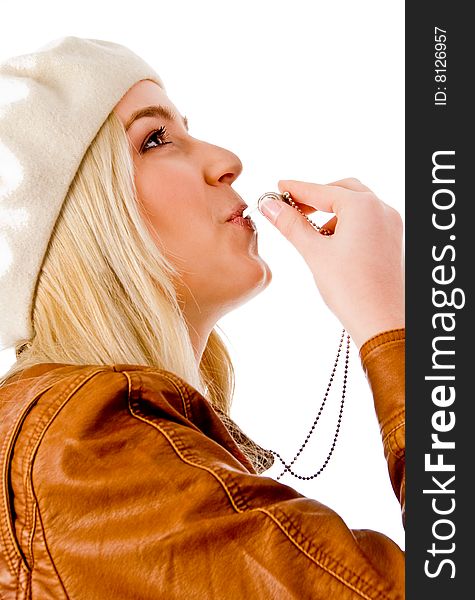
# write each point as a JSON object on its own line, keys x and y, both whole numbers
{"x": 154, "y": 111}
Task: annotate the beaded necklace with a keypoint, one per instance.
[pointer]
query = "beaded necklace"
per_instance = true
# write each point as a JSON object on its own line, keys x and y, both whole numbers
{"x": 286, "y": 197}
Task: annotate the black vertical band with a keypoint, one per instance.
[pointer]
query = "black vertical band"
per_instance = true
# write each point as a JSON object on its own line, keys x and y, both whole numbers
{"x": 440, "y": 268}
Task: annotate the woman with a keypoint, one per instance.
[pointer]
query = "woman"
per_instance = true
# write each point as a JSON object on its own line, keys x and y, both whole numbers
{"x": 124, "y": 476}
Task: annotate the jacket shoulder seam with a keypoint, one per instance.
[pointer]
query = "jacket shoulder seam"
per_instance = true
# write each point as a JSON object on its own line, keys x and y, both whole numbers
{"x": 135, "y": 412}
{"x": 181, "y": 389}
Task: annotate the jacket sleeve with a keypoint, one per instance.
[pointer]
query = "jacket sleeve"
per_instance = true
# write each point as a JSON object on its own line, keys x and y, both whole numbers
{"x": 383, "y": 361}
{"x": 136, "y": 502}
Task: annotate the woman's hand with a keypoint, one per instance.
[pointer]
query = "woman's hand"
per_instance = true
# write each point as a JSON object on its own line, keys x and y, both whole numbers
{"x": 359, "y": 269}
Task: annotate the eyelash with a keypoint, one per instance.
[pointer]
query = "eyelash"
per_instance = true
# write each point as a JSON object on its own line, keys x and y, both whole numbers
{"x": 162, "y": 135}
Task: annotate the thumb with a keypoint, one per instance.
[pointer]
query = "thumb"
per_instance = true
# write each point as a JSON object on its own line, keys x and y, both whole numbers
{"x": 291, "y": 224}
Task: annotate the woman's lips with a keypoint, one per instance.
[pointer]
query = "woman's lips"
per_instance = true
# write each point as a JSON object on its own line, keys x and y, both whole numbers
{"x": 243, "y": 222}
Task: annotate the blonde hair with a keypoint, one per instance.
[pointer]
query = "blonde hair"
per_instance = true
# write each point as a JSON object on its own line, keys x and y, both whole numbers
{"x": 106, "y": 295}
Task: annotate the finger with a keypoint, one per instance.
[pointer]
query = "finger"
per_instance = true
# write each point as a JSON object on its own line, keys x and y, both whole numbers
{"x": 351, "y": 183}
{"x": 292, "y": 226}
{"x": 321, "y": 197}
{"x": 305, "y": 208}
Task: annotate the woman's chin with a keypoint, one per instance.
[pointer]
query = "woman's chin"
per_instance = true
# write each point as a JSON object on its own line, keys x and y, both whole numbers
{"x": 246, "y": 287}
{"x": 262, "y": 275}
{"x": 247, "y": 279}
{"x": 268, "y": 273}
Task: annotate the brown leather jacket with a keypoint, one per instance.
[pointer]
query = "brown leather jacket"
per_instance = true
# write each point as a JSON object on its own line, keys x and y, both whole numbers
{"x": 121, "y": 482}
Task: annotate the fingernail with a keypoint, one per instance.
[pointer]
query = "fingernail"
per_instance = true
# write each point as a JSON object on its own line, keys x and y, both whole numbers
{"x": 270, "y": 208}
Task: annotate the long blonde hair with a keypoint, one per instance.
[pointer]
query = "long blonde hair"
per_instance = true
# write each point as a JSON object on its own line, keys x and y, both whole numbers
{"x": 106, "y": 294}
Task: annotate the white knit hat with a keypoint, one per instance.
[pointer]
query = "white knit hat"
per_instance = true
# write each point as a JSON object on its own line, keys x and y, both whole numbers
{"x": 52, "y": 104}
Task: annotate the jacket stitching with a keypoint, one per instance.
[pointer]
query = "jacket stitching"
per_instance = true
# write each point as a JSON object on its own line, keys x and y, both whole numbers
{"x": 6, "y": 451}
{"x": 26, "y": 479}
{"x": 18, "y": 572}
{"x": 189, "y": 414}
{"x": 233, "y": 488}
{"x": 32, "y": 534}
{"x": 380, "y": 339}
{"x": 49, "y": 554}
{"x": 185, "y": 398}
{"x": 310, "y": 543}
{"x": 230, "y": 487}
{"x": 368, "y": 355}
{"x": 184, "y": 390}
{"x": 395, "y": 438}
{"x": 12, "y": 545}
{"x": 391, "y": 441}
{"x": 76, "y": 384}
{"x": 396, "y": 453}
{"x": 395, "y": 418}
{"x": 369, "y": 351}
{"x": 143, "y": 418}
{"x": 184, "y": 395}
{"x": 392, "y": 418}
{"x": 5, "y": 516}
{"x": 399, "y": 448}
{"x": 181, "y": 389}
{"x": 29, "y": 508}
{"x": 398, "y": 333}
{"x": 367, "y": 585}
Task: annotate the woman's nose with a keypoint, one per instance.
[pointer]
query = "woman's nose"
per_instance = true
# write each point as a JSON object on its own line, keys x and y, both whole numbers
{"x": 221, "y": 165}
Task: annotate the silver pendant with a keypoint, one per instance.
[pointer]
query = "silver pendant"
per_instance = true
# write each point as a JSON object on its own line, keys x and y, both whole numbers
{"x": 287, "y": 198}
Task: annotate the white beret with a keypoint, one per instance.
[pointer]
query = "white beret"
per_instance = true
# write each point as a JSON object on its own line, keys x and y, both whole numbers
{"x": 52, "y": 104}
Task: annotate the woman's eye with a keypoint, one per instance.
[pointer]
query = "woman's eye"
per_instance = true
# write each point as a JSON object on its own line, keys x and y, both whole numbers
{"x": 160, "y": 134}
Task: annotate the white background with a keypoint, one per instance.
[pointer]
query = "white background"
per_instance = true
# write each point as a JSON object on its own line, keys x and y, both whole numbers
{"x": 304, "y": 90}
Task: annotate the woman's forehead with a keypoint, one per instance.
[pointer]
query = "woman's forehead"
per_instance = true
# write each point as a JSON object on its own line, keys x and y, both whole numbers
{"x": 141, "y": 94}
